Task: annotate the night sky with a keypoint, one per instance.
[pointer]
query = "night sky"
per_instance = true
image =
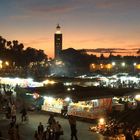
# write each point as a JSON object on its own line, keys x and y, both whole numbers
{"x": 85, "y": 23}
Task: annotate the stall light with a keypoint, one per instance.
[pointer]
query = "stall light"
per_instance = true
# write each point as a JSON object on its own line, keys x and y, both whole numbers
{"x": 28, "y": 94}
{"x": 138, "y": 66}
{"x": 30, "y": 79}
{"x": 45, "y": 97}
{"x": 67, "y": 84}
{"x": 113, "y": 63}
{"x": 50, "y": 99}
{"x": 82, "y": 76}
{"x": 109, "y": 66}
{"x": 16, "y": 79}
{"x": 36, "y": 95}
{"x": 96, "y": 84}
{"x": 123, "y": 64}
{"x": 137, "y": 97}
{"x": 52, "y": 82}
{"x": 67, "y": 99}
{"x": 68, "y": 89}
{"x": 0, "y": 65}
{"x": 73, "y": 88}
{"x": 134, "y": 64}
{"x": 94, "y": 100}
{"x": 93, "y": 66}
{"x": 7, "y": 63}
{"x": 115, "y": 98}
{"x": 101, "y": 121}
{"x": 48, "y": 82}
{"x": 101, "y": 66}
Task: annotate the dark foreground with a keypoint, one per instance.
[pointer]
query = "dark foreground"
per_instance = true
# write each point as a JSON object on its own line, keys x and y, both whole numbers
{"x": 27, "y": 129}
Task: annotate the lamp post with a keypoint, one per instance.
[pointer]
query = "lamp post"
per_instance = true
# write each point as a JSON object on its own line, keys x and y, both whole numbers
{"x": 134, "y": 66}
{"x": 123, "y": 65}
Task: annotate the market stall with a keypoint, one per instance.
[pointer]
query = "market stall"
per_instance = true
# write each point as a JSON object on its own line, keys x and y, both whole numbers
{"x": 52, "y": 104}
{"x": 91, "y": 109}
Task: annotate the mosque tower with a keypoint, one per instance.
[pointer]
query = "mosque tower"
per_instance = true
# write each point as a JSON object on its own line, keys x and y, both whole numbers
{"x": 57, "y": 42}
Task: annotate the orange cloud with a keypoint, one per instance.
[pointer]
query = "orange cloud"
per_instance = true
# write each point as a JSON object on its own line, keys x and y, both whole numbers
{"x": 36, "y": 41}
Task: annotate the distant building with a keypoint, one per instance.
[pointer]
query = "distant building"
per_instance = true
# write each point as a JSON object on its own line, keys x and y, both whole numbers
{"x": 57, "y": 42}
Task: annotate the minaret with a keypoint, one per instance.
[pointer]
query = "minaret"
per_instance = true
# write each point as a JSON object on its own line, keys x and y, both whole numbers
{"x": 57, "y": 42}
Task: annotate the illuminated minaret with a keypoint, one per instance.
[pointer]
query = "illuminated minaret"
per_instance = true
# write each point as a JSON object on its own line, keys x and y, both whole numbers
{"x": 57, "y": 42}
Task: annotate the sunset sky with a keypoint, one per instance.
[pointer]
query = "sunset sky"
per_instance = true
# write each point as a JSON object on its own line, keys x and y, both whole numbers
{"x": 87, "y": 24}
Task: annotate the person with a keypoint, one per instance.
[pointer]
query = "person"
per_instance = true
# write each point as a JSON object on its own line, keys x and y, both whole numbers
{"x": 13, "y": 113}
{"x": 51, "y": 119}
{"x": 36, "y": 136}
{"x": 58, "y": 130}
{"x": 17, "y": 132}
{"x": 8, "y": 112}
{"x": 40, "y": 128}
{"x": 129, "y": 135}
{"x": 72, "y": 122}
{"x": 46, "y": 134}
{"x": 11, "y": 131}
{"x": 137, "y": 134}
{"x": 23, "y": 114}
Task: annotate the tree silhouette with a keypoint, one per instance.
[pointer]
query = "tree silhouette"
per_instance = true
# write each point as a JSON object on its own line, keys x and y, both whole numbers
{"x": 14, "y": 51}
{"x": 138, "y": 52}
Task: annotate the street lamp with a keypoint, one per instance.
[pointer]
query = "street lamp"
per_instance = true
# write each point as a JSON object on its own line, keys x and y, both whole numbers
{"x": 68, "y": 89}
{"x": 67, "y": 99}
{"x": 113, "y": 63}
{"x": 101, "y": 66}
{"x": 109, "y": 66}
{"x": 123, "y": 64}
{"x": 7, "y": 63}
{"x": 93, "y": 66}
{"x": 134, "y": 64}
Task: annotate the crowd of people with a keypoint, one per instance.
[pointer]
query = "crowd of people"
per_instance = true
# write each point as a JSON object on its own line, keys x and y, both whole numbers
{"x": 13, "y": 131}
{"x": 120, "y": 83}
{"x": 115, "y": 130}
{"x": 51, "y": 131}
{"x": 13, "y": 128}
{"x": 54, "y": 130}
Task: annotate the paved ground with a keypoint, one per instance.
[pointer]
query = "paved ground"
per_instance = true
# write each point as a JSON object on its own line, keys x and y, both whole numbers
{"x": 27, "y": 129}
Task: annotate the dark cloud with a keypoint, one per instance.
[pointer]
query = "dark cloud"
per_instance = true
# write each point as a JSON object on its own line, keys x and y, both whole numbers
{"x": 135, "y": 49}
{"x": 117, "y": 3}
{"x": 42, "y": 8}
{"x": 111, "y": 50}
{"x": 46, "y": 6}
{"x": 53, "y": 9}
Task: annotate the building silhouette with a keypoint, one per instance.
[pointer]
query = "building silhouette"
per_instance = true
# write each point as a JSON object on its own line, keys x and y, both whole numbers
{"x": 57, "y": 42}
